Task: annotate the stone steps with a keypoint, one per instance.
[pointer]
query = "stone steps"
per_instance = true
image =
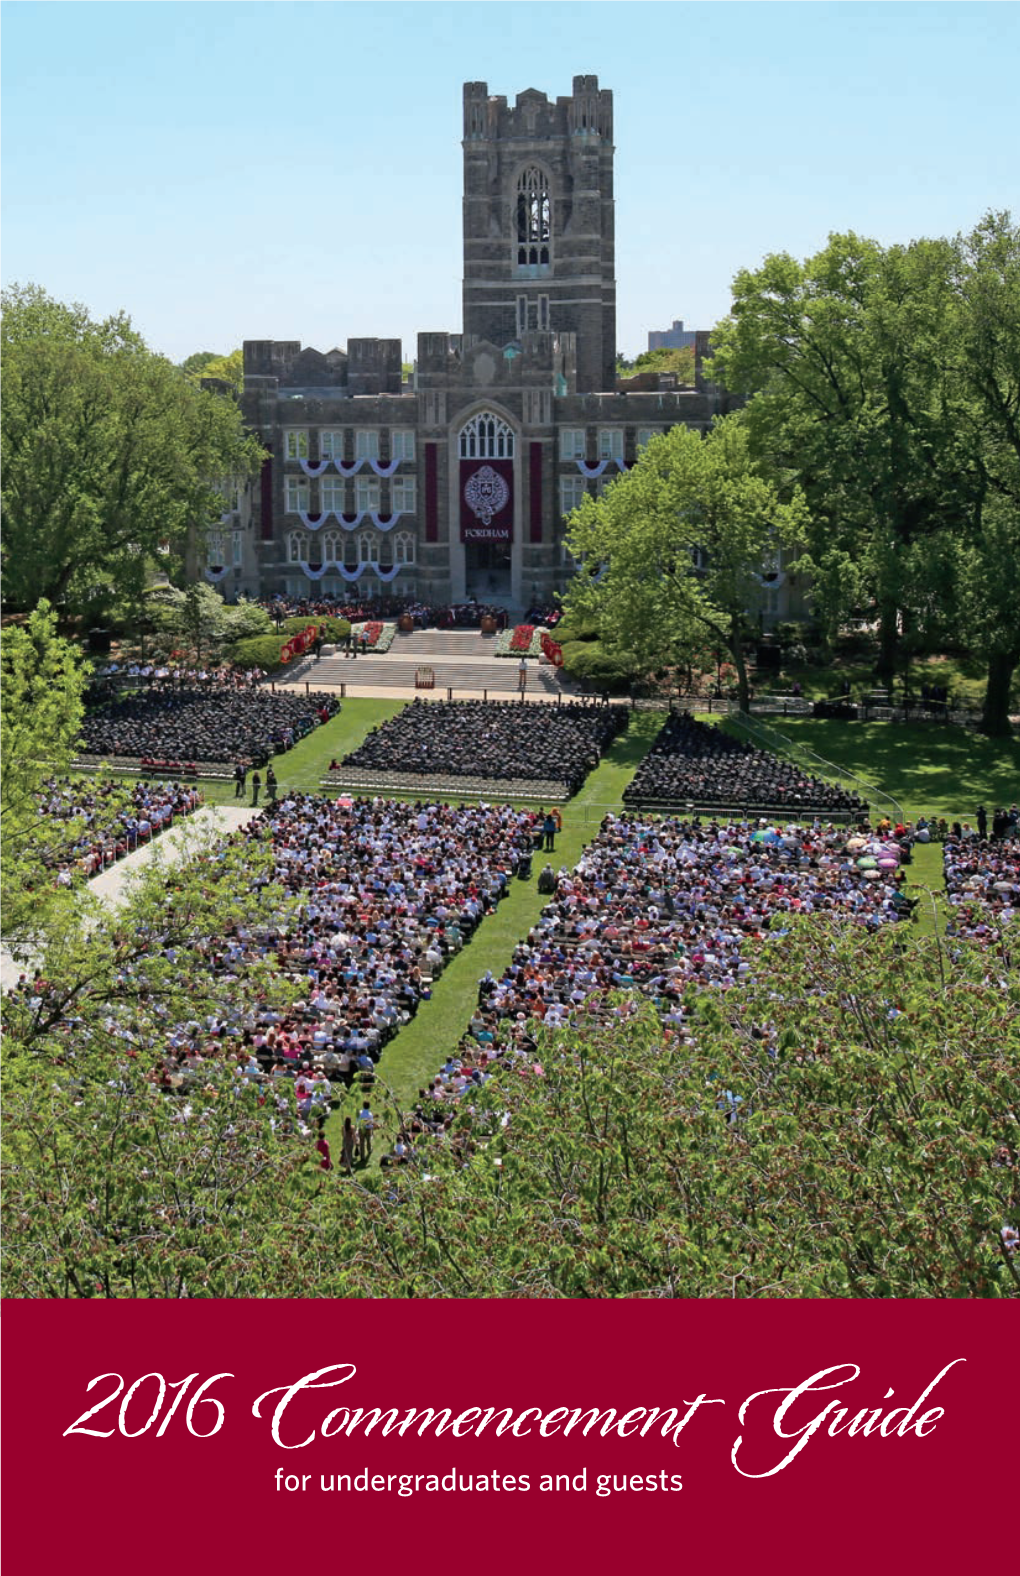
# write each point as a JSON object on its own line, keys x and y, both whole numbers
{"x": 392, "y": 672}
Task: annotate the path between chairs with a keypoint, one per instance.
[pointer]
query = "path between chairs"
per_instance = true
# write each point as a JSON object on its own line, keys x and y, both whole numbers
{"x": 208, "y": 822}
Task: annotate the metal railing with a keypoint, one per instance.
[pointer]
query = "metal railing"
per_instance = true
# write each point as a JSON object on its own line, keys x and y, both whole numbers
{"x": 765, "y": 735}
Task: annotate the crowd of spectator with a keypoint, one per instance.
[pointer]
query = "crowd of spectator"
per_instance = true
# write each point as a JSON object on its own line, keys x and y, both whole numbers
{"x": 110, "y": 820}
{"x": 170, "y": 724}
{"x": 654, "y": 905}
{"x": 494, "y": 740}
{"x": 547, "y": 617}
{"x": 982, "y": 874}
{"x": 450, "y": 615}
{"x": 694, "y": 764}
{"x": 389, "y": 893}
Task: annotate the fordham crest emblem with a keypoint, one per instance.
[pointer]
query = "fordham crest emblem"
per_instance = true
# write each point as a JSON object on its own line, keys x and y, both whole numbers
{"x": 486, "y": 493}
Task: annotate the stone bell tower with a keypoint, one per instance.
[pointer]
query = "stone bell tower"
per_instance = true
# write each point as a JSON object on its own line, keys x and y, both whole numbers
{"x": 539, "y": 249}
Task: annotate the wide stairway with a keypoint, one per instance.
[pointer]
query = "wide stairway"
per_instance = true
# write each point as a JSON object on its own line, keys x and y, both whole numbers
{"x": 461, "y": 660}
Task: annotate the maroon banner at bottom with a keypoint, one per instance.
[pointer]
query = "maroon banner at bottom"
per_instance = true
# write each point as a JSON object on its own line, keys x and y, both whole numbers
{"x": 486, "y": 500}
{"x": 480, "y": 1435}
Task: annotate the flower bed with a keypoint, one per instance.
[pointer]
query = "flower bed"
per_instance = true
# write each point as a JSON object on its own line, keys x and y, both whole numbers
{"x": 380, "y": 635}
{"x": 524, "y": 640}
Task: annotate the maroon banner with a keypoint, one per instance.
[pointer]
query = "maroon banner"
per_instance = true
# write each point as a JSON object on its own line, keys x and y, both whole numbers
{"x": 535, "y": 479}
{"x": 431, "y": 493}
{"x": 486, "y": 500}
{"x": 266, "y": 494}
{"x": 720, "y": 1434}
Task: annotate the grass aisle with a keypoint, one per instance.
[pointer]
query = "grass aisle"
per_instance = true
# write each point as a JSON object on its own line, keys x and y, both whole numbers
{"x": 414, "y": 1057}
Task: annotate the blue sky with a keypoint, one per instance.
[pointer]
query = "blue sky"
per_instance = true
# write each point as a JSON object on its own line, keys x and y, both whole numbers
{"x": 224, "y": 171}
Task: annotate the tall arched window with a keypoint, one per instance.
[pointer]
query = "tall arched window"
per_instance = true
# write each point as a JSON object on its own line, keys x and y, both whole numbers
{"x": 403, "y": 548}
{"x": 331, "y": 552}
{"x": 368, "y": 547}
{"x": 534, "y": 218}
{"x": 486, "y": 437}
{"x": 297, "y": 547}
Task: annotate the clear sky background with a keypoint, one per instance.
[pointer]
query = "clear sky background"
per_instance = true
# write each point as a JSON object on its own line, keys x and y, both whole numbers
{"x": 226, "y": 171}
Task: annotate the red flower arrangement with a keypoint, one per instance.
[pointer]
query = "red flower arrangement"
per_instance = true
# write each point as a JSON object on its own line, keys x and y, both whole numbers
{"x": 522, "y": 637}
{"x": 372, "y": 632}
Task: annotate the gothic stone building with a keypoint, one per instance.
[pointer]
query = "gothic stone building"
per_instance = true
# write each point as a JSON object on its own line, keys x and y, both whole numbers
{"x": 456, "y": 483}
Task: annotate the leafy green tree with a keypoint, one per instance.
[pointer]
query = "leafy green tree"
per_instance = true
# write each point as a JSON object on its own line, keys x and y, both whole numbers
{"x": 679, "y": 361}
{"x": 114, "y": 1186}
{"x": 41, "y": 707}
{"x": 230, "y": 368}
{"x": 672, "y": 551}
{"x": 987, "y": 282}
{"x": 844, "y": 1126}
{"x": 108, "y": 452}
{"x": 849, "y": 359}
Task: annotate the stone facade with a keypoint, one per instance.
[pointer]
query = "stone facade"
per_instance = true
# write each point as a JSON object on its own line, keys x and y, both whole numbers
{"x": 456, "y": 483}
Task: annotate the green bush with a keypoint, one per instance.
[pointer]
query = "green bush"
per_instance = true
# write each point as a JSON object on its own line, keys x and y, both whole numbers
{"x": 262, "y": 651}
{"x": 586, "y": 661}
{"x": 336, "y": 628}
{"x": 568, "y": 631}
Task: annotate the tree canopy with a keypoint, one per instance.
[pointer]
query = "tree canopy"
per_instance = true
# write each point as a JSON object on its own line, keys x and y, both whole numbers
{"x": 109, "y": 453}
{"x": 673, "y": 553}
{"x": 41, "y": 707}
{"x": 887, "y": 380}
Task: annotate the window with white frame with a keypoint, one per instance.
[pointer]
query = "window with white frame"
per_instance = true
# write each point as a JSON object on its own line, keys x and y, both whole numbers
{"x": 333, "y": 494}
{"x": 486, "y": 437}
{"x": 296, "y": 494}
{"x": 402, "y": 444}
{"x": 368, "y": 547}
{"x": 610, "y": 443}
{"x": 366, "y": 492}
{"x": 402, "y": 494}
{"x": 573, "y": 443}
{"x": 215, "y": 549}
{"x": 403, "y": 547}
{"x": 645, "y": 435}
{"x": 331, "y": 444}
{"x": 572, "y": 493}
{"x": 297, "y": 547}
{"x": 296, "y": 443}
{"x": 366, "y": 443}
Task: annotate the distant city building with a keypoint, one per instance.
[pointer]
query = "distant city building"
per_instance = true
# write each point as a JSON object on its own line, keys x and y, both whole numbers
{"x": 675, "y": 338}
{"x": 456, "y": 483}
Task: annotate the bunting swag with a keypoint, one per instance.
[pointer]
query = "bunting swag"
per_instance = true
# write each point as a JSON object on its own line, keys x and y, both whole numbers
{"x": 317, "y": 571}
{"x": 486, "y": 501}
{"x": 350, "y": 522}
{"x": 380, "y": 469}
{"x": 216, "y": 573}
{"x": 599, "y": 466}
{"x": 314, "y": 468}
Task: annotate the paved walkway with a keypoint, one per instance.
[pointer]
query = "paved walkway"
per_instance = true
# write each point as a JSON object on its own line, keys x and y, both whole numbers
{"x": 206, "y": 825}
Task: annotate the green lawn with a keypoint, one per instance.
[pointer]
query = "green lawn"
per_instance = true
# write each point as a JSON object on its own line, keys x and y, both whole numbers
{"x": 415, "y": 1056}
{"x": 930, "y": 770}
